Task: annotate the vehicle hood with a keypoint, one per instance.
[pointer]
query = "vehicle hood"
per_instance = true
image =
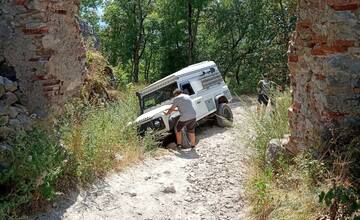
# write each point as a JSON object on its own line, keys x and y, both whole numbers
{"x": 157, "y": 112}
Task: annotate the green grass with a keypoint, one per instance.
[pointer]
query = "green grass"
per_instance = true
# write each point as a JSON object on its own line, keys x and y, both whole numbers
{"x": 287, "y": 190}
{"x": 85, "y": 143}
{"x": 90, "y": 137}
{"x": 99, "y": 136}
{"x": 38, "y": 162}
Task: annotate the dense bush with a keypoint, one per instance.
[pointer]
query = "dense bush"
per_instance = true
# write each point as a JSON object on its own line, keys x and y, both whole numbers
{"x": 85, "y": 142}
{"x": 284, "y": 191}
{"x": 341, "y": 157}
{"x": 38, "y": 162}
{"x": 97, "y": 137}
{"x": 317, "y": 182}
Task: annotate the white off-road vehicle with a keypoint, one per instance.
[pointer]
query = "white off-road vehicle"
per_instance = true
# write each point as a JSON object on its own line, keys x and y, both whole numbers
{"x": 205, "y": 86}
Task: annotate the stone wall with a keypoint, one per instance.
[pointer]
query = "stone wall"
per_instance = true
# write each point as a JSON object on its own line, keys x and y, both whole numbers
{"x": 13, "y": 116}
{"x": 324, "y": 61}
{"x": 41, "y": 49}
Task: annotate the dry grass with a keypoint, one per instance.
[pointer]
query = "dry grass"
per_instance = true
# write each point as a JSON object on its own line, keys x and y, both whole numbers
{"x": 99, "y": 138}
{"x": 287, "y": 191}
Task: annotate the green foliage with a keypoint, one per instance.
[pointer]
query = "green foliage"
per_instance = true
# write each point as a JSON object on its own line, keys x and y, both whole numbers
{"x": 97, "y": 135}
{"x": 245, "y": 38}
{"x": 287, "y": 190}
{"x": 297, "y": 188}
{"x": 341, "y": 196}
{"x": 94, "y": 138}
{"x": 88, "y": 12}
{"x": 32, "y": 175}
{"x": 341, "y": 158}
{"x": 269, "y": 125}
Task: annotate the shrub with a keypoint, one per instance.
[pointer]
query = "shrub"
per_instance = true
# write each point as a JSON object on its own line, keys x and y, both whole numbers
{"x": 270, "y": 123}
{"x": 341, "y": 156}
{"x": 284, "y": 192}
{"x": 38, "y": 162}
{"x": 100, "y": 137}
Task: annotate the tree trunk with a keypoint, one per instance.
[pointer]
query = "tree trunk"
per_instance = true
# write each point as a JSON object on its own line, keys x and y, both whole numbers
{"x": 190, "y": 34}
{"x": 136, "y": 61}
{"x": 147, "y": 67}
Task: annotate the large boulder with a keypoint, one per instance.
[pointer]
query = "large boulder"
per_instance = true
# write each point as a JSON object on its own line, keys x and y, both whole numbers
{"x": 276, "y": 150}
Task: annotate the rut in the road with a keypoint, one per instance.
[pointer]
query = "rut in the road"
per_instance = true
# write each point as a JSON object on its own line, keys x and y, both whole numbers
{"x": 206, "y": 183}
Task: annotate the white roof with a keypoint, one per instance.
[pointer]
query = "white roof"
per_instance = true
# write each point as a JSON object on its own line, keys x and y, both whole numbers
{"x": 175, "y": 76}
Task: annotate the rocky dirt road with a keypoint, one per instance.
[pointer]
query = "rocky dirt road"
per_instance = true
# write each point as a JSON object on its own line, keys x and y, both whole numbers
{"x": 205, "y": 183}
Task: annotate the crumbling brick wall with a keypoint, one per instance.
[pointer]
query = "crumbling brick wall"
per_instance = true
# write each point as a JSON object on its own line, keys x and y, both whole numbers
{"x": 40, "y": 41}
{"x": 324, "y": 61}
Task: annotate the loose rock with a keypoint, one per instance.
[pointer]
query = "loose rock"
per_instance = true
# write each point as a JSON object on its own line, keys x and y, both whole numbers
{"x": 8, "y": 99}
{"x": 169, "y": 189}
{"x": 10, "y": 85}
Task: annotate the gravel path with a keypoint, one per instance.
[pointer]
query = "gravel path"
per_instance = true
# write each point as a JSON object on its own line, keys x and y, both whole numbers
{"x": 206, "y": 183}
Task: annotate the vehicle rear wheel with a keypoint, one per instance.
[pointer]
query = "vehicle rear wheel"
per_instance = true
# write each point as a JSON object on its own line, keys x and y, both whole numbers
{"x": 224, "y": 115}
{"x": 186, "y": 143}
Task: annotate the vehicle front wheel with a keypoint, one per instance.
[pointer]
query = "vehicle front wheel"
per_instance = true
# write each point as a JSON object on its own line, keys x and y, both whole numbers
{"x": 224, "y": 115}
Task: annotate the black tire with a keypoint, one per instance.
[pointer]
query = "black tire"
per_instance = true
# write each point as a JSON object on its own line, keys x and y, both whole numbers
{"x": 224, "y": 115}
{"x": 186, "y": 143}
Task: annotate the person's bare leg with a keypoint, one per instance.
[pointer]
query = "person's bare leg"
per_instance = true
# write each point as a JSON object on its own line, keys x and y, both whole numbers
{"x": 178, "y": 138}
{"x": 192, "y": 139}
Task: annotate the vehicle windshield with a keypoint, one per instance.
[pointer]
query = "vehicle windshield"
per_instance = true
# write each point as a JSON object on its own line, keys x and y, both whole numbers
{"x": 158, "y": 96}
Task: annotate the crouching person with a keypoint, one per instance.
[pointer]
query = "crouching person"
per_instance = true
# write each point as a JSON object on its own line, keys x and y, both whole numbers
{"x": 183, "y": 104}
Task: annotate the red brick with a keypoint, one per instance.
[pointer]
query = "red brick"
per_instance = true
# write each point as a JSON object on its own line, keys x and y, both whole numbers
{"x": 356, "y": 90}
{"x": 303, "y": 24}
{"x": 319, "y": 76}
{"x": 293, "y": 58}
{"x": 318, "y": 39}
{"x": 39, "y": 77}
{"x": 334, "y": 115}
{"x": 61, "y": 11}
{"x": 34, "y": 59}
{"x": 20, "y": 2}
{"x": 344, "y": 5}
{"x": 324, "y": 50}
{"x": 296, "y": 106}
{"x": 50, "y": 88}
{"x": 343, "y": 43}
{"x": 45, "y": 53}
{"x": 51, "y": 82}
{"x": 35, "y": 31}
{"x": 318, "y": 52}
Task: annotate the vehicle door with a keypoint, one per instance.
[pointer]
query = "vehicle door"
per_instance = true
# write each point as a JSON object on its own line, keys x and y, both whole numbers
{"x": 194, "y": 89}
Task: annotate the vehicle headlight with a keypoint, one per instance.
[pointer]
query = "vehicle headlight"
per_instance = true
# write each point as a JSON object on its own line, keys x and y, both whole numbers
{"x": 157, "y": 124}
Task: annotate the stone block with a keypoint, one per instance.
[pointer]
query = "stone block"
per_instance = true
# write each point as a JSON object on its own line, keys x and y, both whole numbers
{"x": 2, "y": 90}
{"x": 14, "y": 111}
{"x": 9, "y": 85}
{"x": 6, "y": 156}
{"x": 275, "y": 150}
{"x": 35, "y": 31}
{"x": 4, "y": 119}
{"x": 341, "y": 5}
{"x": 8, "y": 99}
{"x": 24, "y": 121}
{"x": 6, "y": 131}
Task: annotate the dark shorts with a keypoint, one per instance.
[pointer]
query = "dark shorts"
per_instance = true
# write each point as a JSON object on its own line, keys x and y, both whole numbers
{"x": 263, "y": 99}
{"x": 190, "y": 125}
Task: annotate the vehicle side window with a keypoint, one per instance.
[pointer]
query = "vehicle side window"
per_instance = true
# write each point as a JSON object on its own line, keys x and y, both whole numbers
{"x": 196, "y": 85}
{"x": 187, "y": 89}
